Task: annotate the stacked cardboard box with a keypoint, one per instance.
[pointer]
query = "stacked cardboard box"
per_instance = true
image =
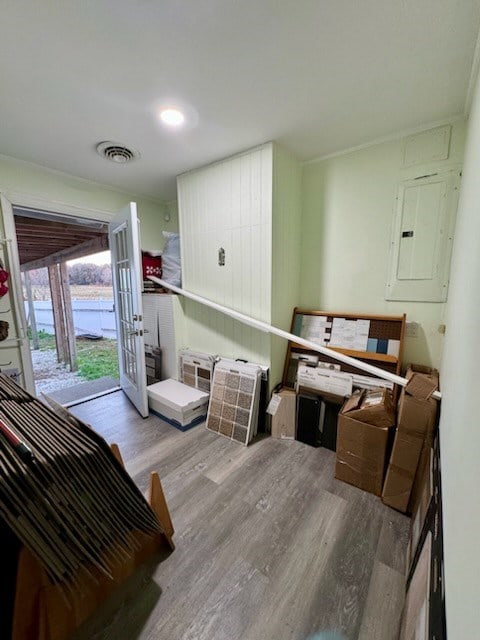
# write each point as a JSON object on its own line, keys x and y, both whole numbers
{"x": 364, "y": 425}
{"x": 417, "y": 416}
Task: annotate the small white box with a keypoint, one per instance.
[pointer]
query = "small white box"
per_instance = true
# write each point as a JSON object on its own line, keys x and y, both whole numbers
{"x": 177, "y": 403}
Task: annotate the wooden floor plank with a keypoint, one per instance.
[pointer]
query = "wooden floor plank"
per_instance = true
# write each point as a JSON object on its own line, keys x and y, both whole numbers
{"x": 269, "y": 546}
{"x": 393, "y": 541}
{"x": 381, "y": 618}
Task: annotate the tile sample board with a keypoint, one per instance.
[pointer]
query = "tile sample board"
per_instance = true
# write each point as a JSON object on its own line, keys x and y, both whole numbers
{"x": 234, "y": 400}
{"x": 260, "y": 423}
{"x": 372, "y": 339}
{"x": 196, "y": 369}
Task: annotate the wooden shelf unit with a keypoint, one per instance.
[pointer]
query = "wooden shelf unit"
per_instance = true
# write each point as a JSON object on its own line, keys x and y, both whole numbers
{"x": 379, "y": 357}
{"x": 381, "y": 328}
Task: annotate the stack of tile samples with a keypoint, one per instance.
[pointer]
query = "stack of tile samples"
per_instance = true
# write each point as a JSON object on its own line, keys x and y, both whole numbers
{"x": 234, "y": 400}
{"x": 196, "y": 369}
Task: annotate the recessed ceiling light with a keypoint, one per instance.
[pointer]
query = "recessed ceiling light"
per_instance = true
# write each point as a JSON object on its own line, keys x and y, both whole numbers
{"x": 172, "y": 117}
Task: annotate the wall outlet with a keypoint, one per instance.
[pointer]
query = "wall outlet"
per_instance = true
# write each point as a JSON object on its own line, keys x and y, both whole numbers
{"x": 411, "y": 330}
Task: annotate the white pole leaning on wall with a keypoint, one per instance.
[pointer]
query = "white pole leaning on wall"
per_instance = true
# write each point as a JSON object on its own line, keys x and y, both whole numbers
{"x": 267, "y": 328}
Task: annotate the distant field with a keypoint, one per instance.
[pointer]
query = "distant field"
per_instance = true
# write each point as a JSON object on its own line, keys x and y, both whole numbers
{"x": 78, "y": 292}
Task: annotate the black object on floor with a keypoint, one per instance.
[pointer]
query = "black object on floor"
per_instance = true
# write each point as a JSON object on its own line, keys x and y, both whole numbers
{"x": 309, "y": 409}
{"x": 317, "y": 420}
{"x": 328, "y": 426}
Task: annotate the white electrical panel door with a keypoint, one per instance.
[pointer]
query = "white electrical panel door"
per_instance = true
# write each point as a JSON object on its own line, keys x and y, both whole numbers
{"x": 422, "y": 238}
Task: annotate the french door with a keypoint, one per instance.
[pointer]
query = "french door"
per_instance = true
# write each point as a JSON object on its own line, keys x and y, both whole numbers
{"x": 127, "y": 292}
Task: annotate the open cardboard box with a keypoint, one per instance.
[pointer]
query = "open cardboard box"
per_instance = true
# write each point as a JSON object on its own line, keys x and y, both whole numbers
{"x": 364, "y": 425}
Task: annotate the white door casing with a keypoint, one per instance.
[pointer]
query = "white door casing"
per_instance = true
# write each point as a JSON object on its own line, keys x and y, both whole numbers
{"x": 18, "y": 310}
{"x": 127, "y": 291}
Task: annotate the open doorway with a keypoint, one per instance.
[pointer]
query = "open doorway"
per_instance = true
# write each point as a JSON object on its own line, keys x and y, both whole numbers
{"x": 68, "y": 297}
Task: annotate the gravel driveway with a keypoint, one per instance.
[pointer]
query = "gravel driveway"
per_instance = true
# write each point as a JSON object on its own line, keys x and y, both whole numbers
{"x": 49, "y": 374}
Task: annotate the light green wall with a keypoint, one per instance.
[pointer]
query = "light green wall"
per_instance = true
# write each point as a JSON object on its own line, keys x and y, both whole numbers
{"x": 459, "y": 422}
{"x": 286, "y": 237}
{"x": 348, "y": 207}
{"x": 30, "y": 180}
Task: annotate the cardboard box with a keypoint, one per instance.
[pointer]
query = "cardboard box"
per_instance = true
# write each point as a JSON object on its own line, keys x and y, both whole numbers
{"x": 417, "y": 410}
{"x": 401, "y": 470}
{"x": 282, "y": 409}
{"x": 374, "y": 407}
{"x": 417, "y": 418}
{"x": 417, "y": 488}
{"x": 177, "y": 403}
{"x": 362, "y": 447}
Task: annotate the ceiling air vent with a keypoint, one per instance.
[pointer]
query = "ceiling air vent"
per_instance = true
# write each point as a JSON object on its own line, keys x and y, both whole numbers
{"x": 116, "y": 152}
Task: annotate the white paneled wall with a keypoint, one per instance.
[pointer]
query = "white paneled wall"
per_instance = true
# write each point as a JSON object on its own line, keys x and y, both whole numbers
{"x": 228, "y": 205}
{"x": 249, "y": 205}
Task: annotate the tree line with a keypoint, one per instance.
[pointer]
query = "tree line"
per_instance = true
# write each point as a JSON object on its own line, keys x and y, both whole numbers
{"x": 78, "y": 274}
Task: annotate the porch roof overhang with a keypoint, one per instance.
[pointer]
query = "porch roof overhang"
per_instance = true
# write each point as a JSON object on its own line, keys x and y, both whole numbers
{"x": 43, "y": 243}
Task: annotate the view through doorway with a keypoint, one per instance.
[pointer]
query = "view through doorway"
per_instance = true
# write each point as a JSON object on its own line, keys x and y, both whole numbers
{"x": 68, "y": 298}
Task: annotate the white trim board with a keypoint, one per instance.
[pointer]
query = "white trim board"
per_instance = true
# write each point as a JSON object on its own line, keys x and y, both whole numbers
{"x": 71, "y": 176}
{"x": 18, "y": 199}
{"x": 472, "y": 82}
{"x": 388, "y": 138}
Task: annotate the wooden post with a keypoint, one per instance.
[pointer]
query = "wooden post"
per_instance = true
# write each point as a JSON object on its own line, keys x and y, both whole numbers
{"x": 58, "y": 317}
{"x": 68, "y": 314}
{"x": 63, "y": 315}
{"x": 31, "y": 309}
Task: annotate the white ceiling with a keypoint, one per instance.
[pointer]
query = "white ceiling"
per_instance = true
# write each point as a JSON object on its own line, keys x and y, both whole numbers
{"x": 317, "y": 75}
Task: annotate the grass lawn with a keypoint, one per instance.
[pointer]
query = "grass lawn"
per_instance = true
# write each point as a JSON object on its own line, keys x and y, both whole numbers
{"x": 96, "y": 358}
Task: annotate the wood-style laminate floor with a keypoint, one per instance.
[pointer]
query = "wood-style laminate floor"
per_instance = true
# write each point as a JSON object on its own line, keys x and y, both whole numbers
{"x": 269, "y": 546}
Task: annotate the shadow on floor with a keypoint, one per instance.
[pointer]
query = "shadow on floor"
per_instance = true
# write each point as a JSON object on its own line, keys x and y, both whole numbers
{"x": 126, "y": 611}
